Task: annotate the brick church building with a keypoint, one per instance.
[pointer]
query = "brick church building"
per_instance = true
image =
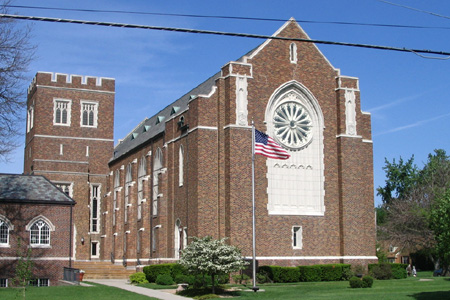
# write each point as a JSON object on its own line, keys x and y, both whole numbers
{"x": 186, "y": 171}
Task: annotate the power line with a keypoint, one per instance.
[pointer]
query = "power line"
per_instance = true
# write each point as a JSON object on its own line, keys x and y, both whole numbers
{"x": 228, "y": 17}
{"x": 416, "y": 9}
{"x": 255, "y": 36}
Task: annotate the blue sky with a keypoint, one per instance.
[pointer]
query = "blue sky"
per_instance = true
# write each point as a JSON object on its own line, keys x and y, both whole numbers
{"x": 408, "y": 96}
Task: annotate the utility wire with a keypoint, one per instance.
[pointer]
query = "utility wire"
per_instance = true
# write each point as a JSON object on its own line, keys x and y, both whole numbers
{"x": 416, "y": 9}
{"x": 255, "y": 36}
{"x": 228, "y": 17}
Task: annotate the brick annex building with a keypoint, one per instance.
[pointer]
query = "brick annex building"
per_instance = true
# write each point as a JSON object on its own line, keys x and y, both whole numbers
{"x": 186, "y": 171}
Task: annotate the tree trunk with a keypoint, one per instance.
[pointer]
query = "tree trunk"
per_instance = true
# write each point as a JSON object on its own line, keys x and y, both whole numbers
{"x": 213, "y": 284}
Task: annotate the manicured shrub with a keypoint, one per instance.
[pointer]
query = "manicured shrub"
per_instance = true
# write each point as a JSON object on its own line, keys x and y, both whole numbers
{"x": 173, "y": 269}
{"x": 267, "y": 271}
{"x": 356, "y": 282}
{"x": 334, "y": 272}
{"x": 261, "y": 277}
{"x": 138, "y": 278}
{"x": 164, "y": 279}
{"x": 367, "y": 281}
{"x": 399, "y": 271}
{"x": 288, "y": 274}
{"x": 181, "y": 278}
{"x": 381, "y": 271}
{"x": 310, "y": 273}
{"x": 281, "y": 274}
{"x": 177, "y": 269}
{"x": 152, "y": 271}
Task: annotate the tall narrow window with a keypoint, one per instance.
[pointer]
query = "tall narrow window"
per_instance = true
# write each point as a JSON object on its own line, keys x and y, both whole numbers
{"x": 138, "y": 241}
{"x": 95, "y": 207}
{"x": 293, "y": 53}
{"x": 157, "y": 166}
{"x": 116, "y": 194}
{"x": 181, "y": 166}
{"x": 177, "y": 238}
{"x": 61, "y": 112}
{"x": 95, "y": 249}
{"x": 128, "y": 179}
{"x": 30, "y": 118}
{"x": 142, "y": 172}
{"x": 89, "y": 112}
{"x": 297, "y": 238}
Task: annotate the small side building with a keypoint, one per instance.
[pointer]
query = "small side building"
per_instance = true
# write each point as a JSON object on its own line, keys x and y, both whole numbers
{"x": 35, "y": 216}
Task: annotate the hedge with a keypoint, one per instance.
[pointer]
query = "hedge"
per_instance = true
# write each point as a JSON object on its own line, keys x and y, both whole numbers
{"x": 386, "y": 271}
{"x": 281, "y": 274}
{"x": 334, "y": 272}
{"x": 329, "y": 272}
{"x": 178, "y": 273}
{"x": 173, "y": 269}
{"x": 310, "y": 273}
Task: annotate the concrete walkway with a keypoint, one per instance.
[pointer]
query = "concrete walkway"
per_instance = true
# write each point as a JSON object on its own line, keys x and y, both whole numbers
{"x": 123, "y": 284}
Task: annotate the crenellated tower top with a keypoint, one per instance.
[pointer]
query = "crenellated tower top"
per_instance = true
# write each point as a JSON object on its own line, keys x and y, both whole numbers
{"x": 59, "y": 80}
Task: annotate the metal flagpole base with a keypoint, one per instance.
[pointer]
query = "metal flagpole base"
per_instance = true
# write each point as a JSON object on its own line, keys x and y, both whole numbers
{"x": 255, "y": 289}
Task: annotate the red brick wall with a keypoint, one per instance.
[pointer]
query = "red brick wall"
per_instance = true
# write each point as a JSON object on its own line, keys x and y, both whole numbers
{"x": 73, "y": 165}
{"x": 48, "y": 262}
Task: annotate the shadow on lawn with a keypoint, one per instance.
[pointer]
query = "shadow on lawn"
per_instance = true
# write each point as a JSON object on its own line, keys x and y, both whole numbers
{"x": 431, "y": 295}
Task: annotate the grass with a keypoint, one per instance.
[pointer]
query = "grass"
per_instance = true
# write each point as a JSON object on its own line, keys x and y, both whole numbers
{"x": 413, "y": 288}
{"x": 410, "y": 288}
{"x": 94, "y": 292}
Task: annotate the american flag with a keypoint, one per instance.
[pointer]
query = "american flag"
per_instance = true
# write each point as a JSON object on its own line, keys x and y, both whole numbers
{"x": 266, "y": 146}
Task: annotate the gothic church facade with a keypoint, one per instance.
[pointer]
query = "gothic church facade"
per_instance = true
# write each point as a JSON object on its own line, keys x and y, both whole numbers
{"x": 186, "y": 171}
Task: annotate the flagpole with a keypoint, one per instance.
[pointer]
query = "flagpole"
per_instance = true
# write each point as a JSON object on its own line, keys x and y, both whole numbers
{"x": 254, "y": 288}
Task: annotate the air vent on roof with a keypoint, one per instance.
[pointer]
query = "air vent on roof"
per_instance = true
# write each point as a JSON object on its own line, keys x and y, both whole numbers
{"x": 146, "y": 128}
{"x": 159, "y": 119}
{"x": 175, "y": 109}
{"x": 134, "y": 135}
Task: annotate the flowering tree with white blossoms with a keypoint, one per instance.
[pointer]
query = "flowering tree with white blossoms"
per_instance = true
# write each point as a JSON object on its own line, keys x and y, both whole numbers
{"x": 211, "y": 257}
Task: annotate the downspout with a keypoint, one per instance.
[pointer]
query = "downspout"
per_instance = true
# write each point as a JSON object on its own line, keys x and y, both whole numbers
{"x": 71, "y": 237}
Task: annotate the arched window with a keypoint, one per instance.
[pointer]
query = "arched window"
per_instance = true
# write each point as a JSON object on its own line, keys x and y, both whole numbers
{"x": 295, "y": 120}
{"x": 181, "y": 166}
{"x": 40, "y": 228}
{"x": 157, "y": 166}
{"x": 5, "y": 227}
{"x": 128, "y": 179}
{"x": 177, "y": 238}
{"x": 142, "y": 172}
{"x": 116, "y": 194}
{"x": 293, "y": 53}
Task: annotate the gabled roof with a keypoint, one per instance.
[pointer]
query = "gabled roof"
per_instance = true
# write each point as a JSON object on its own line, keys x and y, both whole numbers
{"x": 31, "y": 189}
{"x": 153, "y": 126}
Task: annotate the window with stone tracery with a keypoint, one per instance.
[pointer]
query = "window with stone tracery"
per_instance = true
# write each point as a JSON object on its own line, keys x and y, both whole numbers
{"x": 89, "y": 112}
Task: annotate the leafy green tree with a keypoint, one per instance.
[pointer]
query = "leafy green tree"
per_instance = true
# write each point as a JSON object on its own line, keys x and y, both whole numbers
{"x": 440, "y": 217}
{"x": 400, "y": 178}
{"x": 211, "y": 257}
{"x": 409, "y": 197}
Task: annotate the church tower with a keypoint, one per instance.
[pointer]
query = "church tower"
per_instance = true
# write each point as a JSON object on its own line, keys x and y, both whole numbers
{"x": 69, "y": 140}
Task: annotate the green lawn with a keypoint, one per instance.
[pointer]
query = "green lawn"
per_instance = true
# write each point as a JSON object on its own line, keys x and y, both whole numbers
{"x": 423, "y": 287}
{"x": 411, "y": 288}
{"x": 95, "y": 292}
